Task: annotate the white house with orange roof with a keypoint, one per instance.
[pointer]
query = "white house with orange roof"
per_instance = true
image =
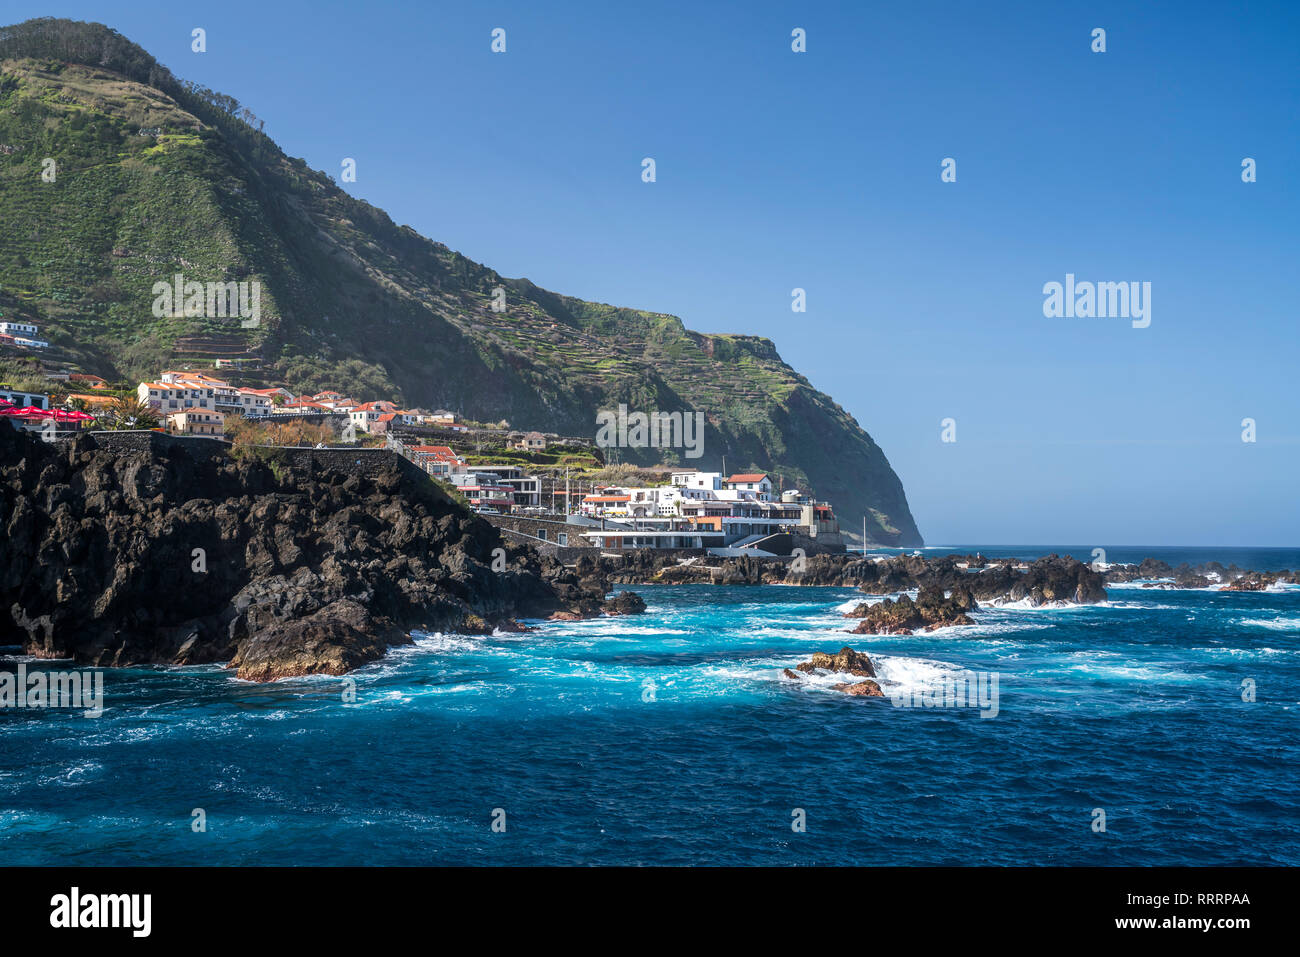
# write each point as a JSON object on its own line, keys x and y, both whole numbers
{"x": 172, "y": 393}
{"x": 256, "y": 401}
{"x": 339, "y": 403}
{"x": 298, "y": 407}
{"x": 367, "y": 414}
{"x": 758, "y": 485}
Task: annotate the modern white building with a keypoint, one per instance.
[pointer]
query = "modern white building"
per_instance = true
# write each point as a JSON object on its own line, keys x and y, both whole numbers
{"x": 700, "y": 510}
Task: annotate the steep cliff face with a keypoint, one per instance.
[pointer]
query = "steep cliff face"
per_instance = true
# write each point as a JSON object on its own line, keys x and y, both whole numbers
{"x": 281, "y": 567}
{"x": 154, "y": 177}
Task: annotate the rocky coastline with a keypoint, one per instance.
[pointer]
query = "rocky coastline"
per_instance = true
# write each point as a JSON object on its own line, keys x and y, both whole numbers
{"x": 1153, "y": 573}
{"x": 155, "y": 555}
{"x": 968, "y": 579}
{"x": 149, "y": 556}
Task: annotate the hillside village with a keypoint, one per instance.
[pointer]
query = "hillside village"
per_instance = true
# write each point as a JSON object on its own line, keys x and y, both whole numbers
{"x": 362, "y": 305}
{"x": 563, "y": 484}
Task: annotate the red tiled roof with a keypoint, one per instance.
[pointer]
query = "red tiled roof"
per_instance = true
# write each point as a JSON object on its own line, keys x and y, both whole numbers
{"x": 436, "y": 451}
{"x": 748, "y": 477}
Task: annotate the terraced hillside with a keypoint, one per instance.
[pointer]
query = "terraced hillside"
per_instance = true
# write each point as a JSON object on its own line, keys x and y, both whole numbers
{"x": 154, "y": 177}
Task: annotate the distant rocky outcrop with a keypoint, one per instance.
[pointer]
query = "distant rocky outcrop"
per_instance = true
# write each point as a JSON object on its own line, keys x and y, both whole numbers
{"x": 1053, "y": 578}
{"x": 1154, "y": 573}
{"x": 162, "y": 556}
{"x": 1253, "y": 582}
{"x": 1147, "y": 568}
{"x": 1050, "y": 579}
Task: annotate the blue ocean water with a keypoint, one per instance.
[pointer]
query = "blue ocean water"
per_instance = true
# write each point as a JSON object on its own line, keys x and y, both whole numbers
{"x": 672, "y": 738}
{"x": 1256, "y": 559}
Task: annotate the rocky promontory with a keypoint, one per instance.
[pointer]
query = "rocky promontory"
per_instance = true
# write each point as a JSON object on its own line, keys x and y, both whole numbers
{"x": 181, "y": 553}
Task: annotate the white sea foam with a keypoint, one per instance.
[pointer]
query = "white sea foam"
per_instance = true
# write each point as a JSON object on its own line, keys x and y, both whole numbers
{"x": 1274, "y": 624}
{"x": 1142, "y": 605}
{"x": 1244, "y": 652}
{"x": 991, "y": 625}
{"x": 1027, "y": 604}
{"x": 896, "y": 674}
{"x": 1095, "y": 665}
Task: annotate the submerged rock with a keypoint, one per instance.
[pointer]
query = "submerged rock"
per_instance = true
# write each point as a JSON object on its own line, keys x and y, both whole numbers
{"x": 865, "y": 689}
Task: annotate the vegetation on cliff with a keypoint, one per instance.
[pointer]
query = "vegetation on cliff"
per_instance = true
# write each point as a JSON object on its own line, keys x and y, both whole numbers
{"x": 156, "y": 177}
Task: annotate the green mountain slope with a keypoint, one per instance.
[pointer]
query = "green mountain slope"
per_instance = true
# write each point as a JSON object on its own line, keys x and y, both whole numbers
{"x": 154, "y": 177}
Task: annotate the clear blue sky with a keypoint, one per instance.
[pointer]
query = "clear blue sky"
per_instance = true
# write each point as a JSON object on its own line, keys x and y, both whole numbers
{"x": 821, "y": 170}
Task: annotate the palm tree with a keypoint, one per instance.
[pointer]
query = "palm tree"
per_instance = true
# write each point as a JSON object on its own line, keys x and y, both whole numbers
{"x": 128, "y": 412}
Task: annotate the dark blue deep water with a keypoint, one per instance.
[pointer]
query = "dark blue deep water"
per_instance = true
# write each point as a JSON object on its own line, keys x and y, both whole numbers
{"x": 672, "y": 738}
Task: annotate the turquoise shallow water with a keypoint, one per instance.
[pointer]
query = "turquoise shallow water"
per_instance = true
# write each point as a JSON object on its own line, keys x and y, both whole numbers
{"x": 672, "y": 738}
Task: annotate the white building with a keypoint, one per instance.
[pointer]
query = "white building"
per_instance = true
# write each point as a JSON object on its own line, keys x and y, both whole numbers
{"x": 709, "y": 481}
{"x": 701, "y": 510}
{"x": 526, "y": 490}
{"x": 178, "y": 394}
{"x": 24, "y": 400}
{"x": 367, "y": 414}
{"x": 751, "y": 484}
{"x": 18, "y": 329}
